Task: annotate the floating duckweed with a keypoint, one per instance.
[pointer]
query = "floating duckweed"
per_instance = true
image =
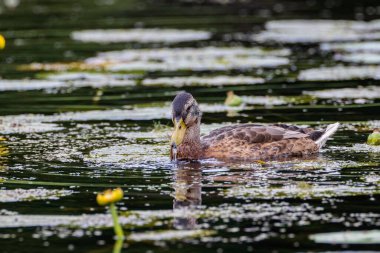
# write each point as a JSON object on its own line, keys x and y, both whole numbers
{"x": 277, "y": 100}
{"x": 68, "y": 80}
{"x": 358, "y": 52}
{"x": 89, "y": 79}
{"x": 173, "y": 59}
{"x": 348, "y": 237}
{"x": 299, "y": 191}
{"x": 202, "y": 80}
{"x": 207, "y": 58}
{"x": 11, "y": 127}
{"x": 264, "y": 100}
{"x": 148, "y": 113}
{"x": 369, "y": 92}
{"x": 365, "y": 46}
{"x": 169, "y": 235}
{"x": 367, "y": 58}
{"x": 170, "y": 53}
{"x": 357, "y": 147}
{"x": 160, "y": 128}
{"x": 129, "y": 155}
{"x": 58, "y": 67}
{"x": 156, "y": 218}
{"x": 85, "y": 76}
{"x": 23, "y": 85}
{"x": 340, "y": 73}
{"x": 140, "y": 35}
{"x": 304, "y": 99}
{"x": 156, "y": 135}
{"x": 18, "y": 195}
{"x": 372, "y": 179}
{"x": 314, "y": 31}
{"x": 304, "y": 185}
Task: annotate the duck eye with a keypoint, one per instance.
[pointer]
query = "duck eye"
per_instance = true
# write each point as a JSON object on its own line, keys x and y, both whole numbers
{"x": 179, "y": 127}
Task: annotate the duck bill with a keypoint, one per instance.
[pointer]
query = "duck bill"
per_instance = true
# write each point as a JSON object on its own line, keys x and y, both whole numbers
{"x": 177, "y": 136}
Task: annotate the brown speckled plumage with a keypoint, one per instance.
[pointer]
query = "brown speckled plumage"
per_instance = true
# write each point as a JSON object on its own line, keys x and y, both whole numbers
{"x": 243, "y": 141}
{"x": 251, "y": 141}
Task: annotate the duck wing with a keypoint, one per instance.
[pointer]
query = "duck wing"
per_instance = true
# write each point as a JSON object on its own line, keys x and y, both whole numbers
{"x": 253, "y": 133}
{"x": 252, "y": 141}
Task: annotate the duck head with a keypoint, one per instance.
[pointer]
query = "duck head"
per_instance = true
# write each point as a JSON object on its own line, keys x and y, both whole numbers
{"x": 186, "y": 118}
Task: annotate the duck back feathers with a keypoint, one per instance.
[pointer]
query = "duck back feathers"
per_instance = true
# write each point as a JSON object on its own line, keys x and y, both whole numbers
{"x": 253, "y": 141}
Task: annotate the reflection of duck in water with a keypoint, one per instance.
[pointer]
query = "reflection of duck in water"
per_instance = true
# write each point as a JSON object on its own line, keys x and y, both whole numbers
{"x": 242, "y": 142}
{"x": 187, "y": 195}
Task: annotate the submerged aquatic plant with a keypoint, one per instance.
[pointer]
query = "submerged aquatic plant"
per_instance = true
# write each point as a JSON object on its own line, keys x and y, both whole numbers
{"x": 374, "y": 138}
{"x": 110, "y": 197}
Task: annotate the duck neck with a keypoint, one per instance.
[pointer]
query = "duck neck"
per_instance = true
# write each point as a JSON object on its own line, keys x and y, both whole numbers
{"x": 191, "y": 147}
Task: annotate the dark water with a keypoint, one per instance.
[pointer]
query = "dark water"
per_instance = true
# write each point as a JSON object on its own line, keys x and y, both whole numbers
{"x": 60, "y": 146}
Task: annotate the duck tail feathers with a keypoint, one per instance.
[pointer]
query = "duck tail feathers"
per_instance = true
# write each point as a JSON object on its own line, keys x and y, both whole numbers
{"x": 329, "y": 131}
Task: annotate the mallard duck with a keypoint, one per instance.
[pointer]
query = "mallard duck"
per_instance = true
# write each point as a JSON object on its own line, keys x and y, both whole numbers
{"x": 239, "y": 142}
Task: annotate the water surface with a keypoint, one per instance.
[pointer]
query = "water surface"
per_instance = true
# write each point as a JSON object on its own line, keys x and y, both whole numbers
{"x": 81, "y": 113}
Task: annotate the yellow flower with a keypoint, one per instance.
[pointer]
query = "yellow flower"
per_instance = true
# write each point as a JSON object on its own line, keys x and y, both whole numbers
{"x": 109, "y": 196}
{"x": 2, "y": 42}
